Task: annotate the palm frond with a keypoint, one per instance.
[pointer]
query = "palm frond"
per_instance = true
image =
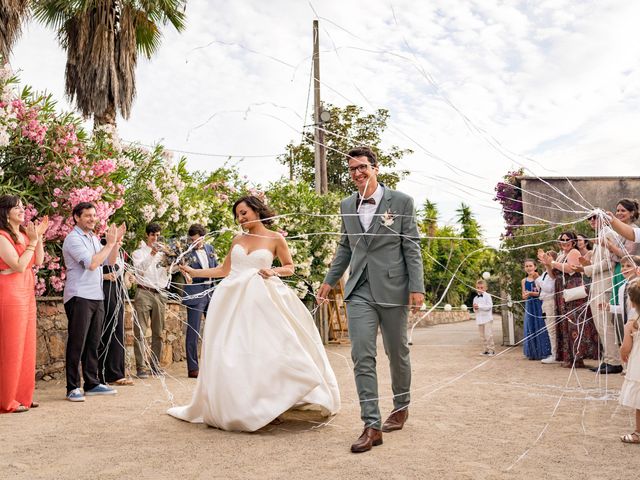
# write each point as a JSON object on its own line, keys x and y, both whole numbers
{"x": 13, "y": 13}
{"x": 103, "y": 39}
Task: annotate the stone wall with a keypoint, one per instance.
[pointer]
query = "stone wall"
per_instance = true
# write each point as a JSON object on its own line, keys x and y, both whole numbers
{"x": 541, "y": 202}
{"x": 52, "y": 336}
{"x": 438, "y": 317}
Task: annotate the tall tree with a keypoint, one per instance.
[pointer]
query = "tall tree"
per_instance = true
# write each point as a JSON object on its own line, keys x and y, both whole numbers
{"x": 429, "y": 218}
{"x": 349, "y": 127}
{"x": 12, "y": 15}
{"x": 103, "y": 39}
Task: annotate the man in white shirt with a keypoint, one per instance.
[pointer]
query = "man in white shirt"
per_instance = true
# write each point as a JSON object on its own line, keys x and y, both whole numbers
{"x": 150, "y": 301}
{"x": 483, "y": 307}
{"x": 547, "y": 286}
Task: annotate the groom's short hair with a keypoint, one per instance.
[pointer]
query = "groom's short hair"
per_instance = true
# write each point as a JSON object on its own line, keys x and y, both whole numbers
{"x": 363, "y": 152}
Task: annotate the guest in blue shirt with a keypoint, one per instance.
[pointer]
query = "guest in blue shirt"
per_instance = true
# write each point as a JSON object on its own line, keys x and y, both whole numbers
{"x": 83, "y": 257}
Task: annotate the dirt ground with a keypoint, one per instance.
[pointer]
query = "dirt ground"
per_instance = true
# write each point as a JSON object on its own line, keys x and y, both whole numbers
{"x": 471, "y": 417}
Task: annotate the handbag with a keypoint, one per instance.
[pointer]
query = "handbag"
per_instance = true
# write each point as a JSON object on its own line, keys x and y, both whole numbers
{"x": 575, "y": 293}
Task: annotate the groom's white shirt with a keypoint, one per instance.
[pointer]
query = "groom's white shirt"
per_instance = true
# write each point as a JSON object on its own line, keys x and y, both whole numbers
{"x": 367, "y": 211}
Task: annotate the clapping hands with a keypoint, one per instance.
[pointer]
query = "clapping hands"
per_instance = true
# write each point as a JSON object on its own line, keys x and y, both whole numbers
{"x": 122, "y": 229}
{"x": 544, "y": 257}
{"x": 42, "y": 225}
{"x": 32, "y": 233}
{"x": 115, "y": 234}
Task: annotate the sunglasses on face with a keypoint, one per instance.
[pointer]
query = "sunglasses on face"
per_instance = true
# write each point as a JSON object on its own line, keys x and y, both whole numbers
{"x": 564, "y": 240}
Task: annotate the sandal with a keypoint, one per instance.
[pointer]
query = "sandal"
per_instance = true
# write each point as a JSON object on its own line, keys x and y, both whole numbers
{"x": 122, "y": 382}
{"x": 21, "y": 409}
{"x": 631, "y": 438}
{"x": 34, "y": 405}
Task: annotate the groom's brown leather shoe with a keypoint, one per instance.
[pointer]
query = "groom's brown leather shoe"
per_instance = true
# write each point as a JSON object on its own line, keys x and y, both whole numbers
{"x": 370, "y": 438}
{"x": 396, "y": 420}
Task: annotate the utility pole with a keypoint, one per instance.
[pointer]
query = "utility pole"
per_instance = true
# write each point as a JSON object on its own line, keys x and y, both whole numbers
{"x": 291, "y": 163}
{"x": 320, "y": 151}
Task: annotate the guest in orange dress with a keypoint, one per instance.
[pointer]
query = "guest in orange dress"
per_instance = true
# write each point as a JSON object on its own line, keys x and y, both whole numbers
{"x": 20, "y": 249}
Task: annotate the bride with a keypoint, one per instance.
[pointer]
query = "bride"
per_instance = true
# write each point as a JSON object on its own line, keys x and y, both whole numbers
{"x": 261, "y": 352}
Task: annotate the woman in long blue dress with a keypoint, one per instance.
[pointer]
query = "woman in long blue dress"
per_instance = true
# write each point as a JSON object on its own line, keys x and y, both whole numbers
{"x": 536, "y": 339}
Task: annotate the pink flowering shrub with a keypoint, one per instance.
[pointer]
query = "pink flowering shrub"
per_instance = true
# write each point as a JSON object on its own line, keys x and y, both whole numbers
{"x": 49, "y": 160}
{"x": 53, "y": 164}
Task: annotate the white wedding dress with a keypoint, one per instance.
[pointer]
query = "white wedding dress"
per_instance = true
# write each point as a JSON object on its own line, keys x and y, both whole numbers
{"x": 261, "y": 353}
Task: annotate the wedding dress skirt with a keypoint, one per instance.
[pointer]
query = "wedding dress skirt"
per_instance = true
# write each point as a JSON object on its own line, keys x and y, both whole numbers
{"x": 261, "y": 353}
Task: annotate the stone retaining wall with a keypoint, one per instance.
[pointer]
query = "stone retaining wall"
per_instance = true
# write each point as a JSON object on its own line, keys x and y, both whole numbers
{"x": 52, "y": 336}
{"x": 438, "y": 317}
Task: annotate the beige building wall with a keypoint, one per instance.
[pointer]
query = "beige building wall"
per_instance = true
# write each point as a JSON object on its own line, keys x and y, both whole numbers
{"x": 564, "y": 199}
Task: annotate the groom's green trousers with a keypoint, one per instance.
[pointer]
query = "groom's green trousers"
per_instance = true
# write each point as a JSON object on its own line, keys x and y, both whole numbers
{"x": 364, "y": 318}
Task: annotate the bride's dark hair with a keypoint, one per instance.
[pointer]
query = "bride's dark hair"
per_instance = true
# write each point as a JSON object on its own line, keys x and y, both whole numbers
{"x": 254, "y": 203}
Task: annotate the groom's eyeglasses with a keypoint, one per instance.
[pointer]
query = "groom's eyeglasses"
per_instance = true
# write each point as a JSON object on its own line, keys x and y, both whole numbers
{"x": 363, "y": 167}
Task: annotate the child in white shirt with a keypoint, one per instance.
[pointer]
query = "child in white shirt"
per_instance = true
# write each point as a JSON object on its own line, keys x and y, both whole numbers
{"x": 483, "y": 307}
{"x": 547, "y": 287}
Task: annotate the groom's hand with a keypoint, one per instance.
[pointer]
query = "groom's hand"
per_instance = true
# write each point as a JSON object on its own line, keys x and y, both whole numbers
{"x": 323, "y": 293}
{"x": 416, "y": 300}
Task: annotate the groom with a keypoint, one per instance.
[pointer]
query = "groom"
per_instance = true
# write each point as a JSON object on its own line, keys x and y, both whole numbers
{"x": 380, "y": 245}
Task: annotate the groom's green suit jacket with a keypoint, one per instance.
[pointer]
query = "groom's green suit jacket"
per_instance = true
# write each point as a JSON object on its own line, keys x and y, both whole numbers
{"x": 389, "y": 250}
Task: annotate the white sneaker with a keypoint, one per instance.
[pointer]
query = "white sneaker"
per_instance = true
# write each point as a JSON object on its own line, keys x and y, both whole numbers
{"x": 75, "y": 395}
{"x": 549, "y": 359}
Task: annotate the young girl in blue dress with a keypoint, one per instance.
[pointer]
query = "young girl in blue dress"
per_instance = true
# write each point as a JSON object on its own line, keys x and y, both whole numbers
{"x": 536, "y": 339}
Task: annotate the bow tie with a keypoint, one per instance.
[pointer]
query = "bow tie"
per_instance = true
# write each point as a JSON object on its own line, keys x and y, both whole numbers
{"x": 372, "y": 201}
{"x": 480, "y": 295}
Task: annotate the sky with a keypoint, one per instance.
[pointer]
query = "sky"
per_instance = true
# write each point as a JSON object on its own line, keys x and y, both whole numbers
{"x": 476, "y": 88}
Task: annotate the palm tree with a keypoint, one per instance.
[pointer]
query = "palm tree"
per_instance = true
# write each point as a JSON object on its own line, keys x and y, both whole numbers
{"x": 12, "y": 14}
{"x": 429, "y": 223}
{"x": 103, "y": 39}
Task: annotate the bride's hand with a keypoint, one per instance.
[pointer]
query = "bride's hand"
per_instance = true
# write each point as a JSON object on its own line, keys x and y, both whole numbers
{"x": 187, "y": 270}
{"x": 267, "y": 272}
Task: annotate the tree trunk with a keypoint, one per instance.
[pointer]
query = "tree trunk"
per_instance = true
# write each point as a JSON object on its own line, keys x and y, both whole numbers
{"x": 106, "y": 117}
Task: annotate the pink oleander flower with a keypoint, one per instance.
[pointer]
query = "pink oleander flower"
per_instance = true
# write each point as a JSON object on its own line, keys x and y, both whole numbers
{"x": 54, "y": 231}
{"x": 30, "y": 213}
{"x": 56, "y": 283}
{"x": 85, "y": 194}
{"x": 41, "y": 287}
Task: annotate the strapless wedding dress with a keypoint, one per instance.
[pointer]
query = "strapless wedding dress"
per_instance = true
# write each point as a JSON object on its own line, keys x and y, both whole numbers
{"x": 261, "y": 353}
